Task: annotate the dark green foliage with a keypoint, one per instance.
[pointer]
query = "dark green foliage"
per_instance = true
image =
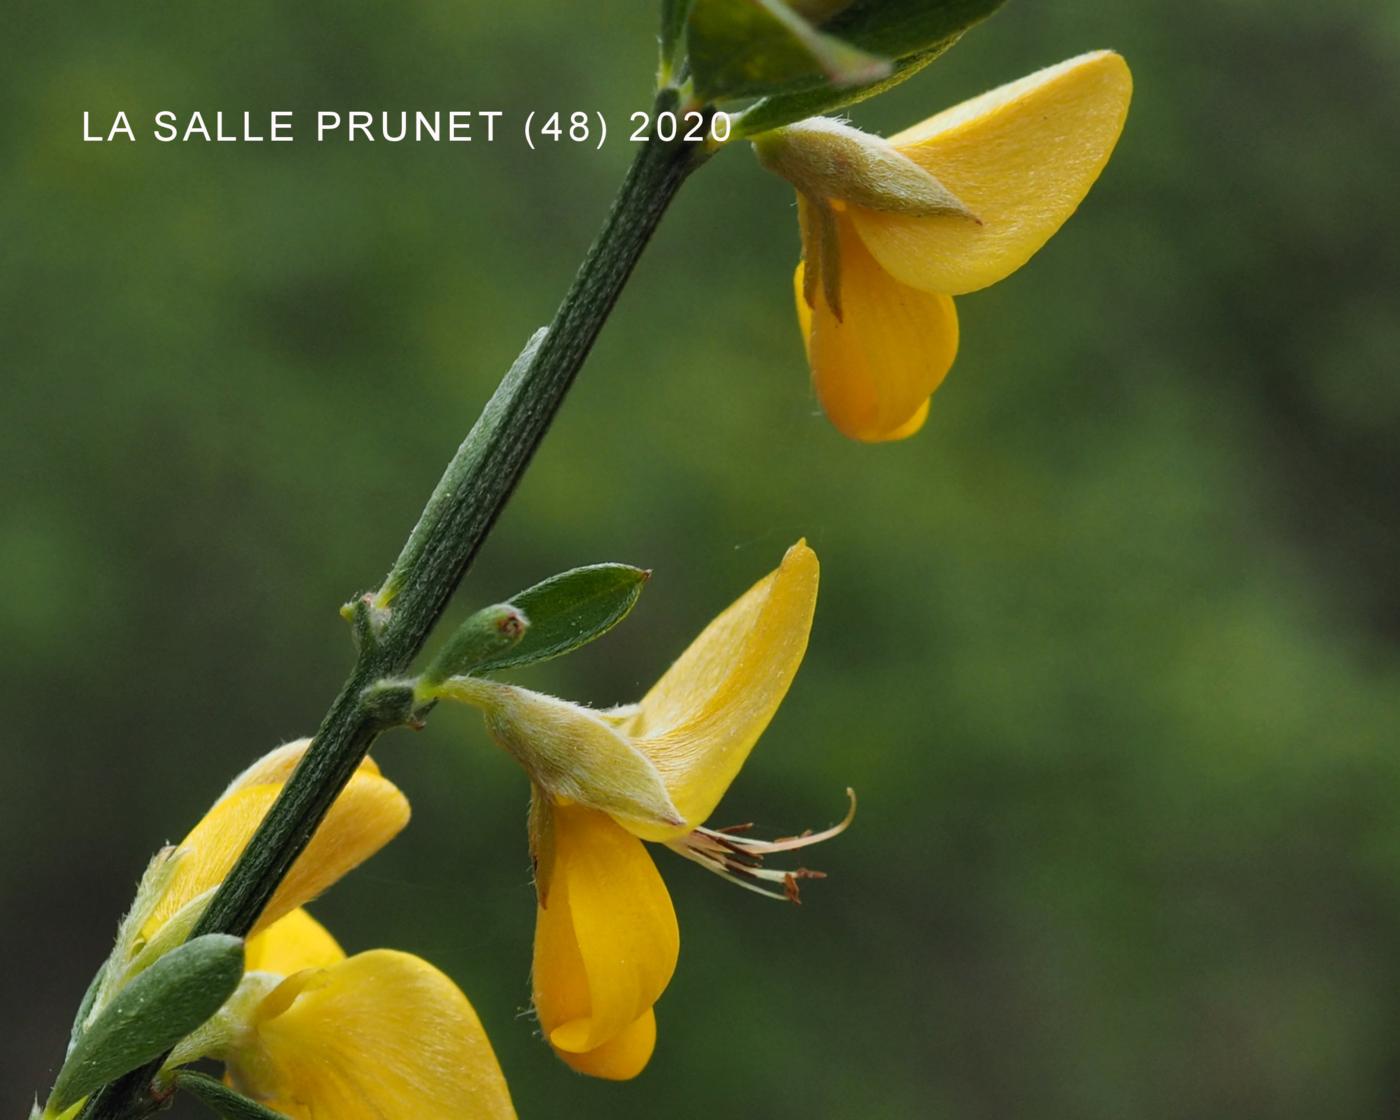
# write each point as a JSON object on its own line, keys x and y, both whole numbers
{"x": 221, "y": 1100}
{"x": 744, "y": 48}
{"x": 901, "y": 28}
{"x": 569, "y": 610}
{"x": 150, "y": 1014}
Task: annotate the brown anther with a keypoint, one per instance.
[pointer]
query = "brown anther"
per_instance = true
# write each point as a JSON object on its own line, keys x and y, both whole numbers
{"x": 790, "y": 889}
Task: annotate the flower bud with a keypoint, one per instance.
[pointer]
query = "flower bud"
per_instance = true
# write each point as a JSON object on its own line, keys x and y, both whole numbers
{"x": 487, "y": 634}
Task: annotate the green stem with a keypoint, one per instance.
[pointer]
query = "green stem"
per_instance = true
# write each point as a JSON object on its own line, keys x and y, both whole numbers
{"x": 394, "y": 623}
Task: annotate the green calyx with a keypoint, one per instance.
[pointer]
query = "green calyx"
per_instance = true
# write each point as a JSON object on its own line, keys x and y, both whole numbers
{"x": 219, "y": 1099}
{"x": 826, "y": 159}
{"x": 163, "y": 1004}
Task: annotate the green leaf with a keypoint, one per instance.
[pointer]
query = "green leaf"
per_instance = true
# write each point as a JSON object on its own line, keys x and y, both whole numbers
{"x": 89, "y": 998}
{"x": 783, "y": 109}
{"x": 900, "y": 28}
{"x": 914, "y": 32}
{"x": 570, "y": 610}
{"x": 488, "y": 634}
{"x": 746, "y": 48}
{"x": 152, "y": 1013}
{"x": 222, "y": 1100}
{"x": 673, "y": 16}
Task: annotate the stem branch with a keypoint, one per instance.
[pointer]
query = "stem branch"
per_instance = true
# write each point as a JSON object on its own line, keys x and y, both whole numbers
{"x": 397, "y": 620}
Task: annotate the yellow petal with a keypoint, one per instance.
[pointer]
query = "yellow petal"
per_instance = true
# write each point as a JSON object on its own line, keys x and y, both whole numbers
{"x": 912, "y": 425}
{"x": 369, "y": 812}
{"x": 1022, "y": 157}
{"x": 620, "y": 1058}
{"x": 606, "y": 945}
{"x": 804, "y": 309}
{"x": 290, "y": 944}
{"x": 380, "y": 1036}
{"x": 875, "y": 368}
{"x": 701, "y": 719}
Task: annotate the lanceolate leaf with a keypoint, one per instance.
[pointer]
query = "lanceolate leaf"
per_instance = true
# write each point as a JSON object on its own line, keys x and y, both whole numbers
{"x": 673, "y": 14}
{"x": 899, "y": 28}
{"x": 781, "y": 109}
{"x": 914, "y": 32}
{"x": 89, "y": 997}
{"x": 746, "y": 48}
{"x": 570, "y": 610}
{"x": 222, "y": 1100}
{"x": 152, "y": 1013}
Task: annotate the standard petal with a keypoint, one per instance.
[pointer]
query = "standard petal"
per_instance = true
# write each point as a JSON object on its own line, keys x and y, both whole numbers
{"x": 369, "y": 812}
{"x": 876, "y": 366}
{"x": 290, "y": 944}
{"x": 1022, "y": 157}
{"x": 381, "y": 1036}
{"x": 605, "y": 946}
{"x": 701, "y": 719}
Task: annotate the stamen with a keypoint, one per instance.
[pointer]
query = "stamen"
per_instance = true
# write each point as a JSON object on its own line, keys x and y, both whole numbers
{"x": 739, "y": 858}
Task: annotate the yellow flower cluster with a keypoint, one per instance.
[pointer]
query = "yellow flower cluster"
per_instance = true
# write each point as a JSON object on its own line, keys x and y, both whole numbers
{"x": 382, "y": 1035}
{"x": 891, "y": 231}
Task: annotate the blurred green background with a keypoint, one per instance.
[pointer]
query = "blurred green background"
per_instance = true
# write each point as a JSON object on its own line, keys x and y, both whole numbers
{"x": 1110, "y": 651}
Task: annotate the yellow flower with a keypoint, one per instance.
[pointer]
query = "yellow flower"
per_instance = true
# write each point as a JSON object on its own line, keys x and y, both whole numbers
{"x": 606, "y": 940}
{"x": 884, "y": 253}
{"x": 381, "y": 1035}
{"x": 369, "y": 812}
{"x": 310, "y": 1032}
